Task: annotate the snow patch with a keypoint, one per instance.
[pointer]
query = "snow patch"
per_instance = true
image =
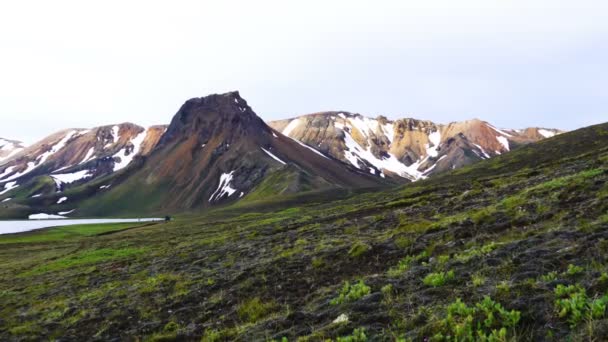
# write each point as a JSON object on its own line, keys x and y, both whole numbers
{"x": 291, "y": 126}
{"x": 104, "y": 187}
{"x": 8, "y": 187}
{"x": 43, "y": 216}
{"x": 88, "y": 156}
{"x": 504, "y": 142}
{"x": 482, "y": 151}
{"x": 545, "y": 133}
{"x": 6, "y": 200}
{"x": 68, "y": 178}
{"x": 115, "y": 136}
{"x": 273, "y": 156}
{"x": 62, "y": 199}
{"x": 499, "y": 131}
{"x": 43, "y": 157}
{"x": 224, "y": 187}
{"x": 36, "y": 195}
{"x": 310, "y": 148}
{"x": 274, "y": 135}
{"x": 66, "y": 212}
{"x": 356, "y": 153}
{"x": 125, "y": 159}
{"x": 434, "y": 139}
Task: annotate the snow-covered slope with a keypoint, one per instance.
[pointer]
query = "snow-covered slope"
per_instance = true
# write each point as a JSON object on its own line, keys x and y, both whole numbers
{"x": 407, "y": 148}
{"x": 78, "y": 155}
{"x": 8, "y": 149}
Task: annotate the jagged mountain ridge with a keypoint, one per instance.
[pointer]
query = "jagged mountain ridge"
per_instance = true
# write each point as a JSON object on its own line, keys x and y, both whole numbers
{"x": 215, "y": 150}
{"x": 409, "y": 148}
{"x": 74, "y": 155}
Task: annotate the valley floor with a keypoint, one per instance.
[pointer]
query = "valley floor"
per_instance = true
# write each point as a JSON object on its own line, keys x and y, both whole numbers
{"x": 514, "y": 248}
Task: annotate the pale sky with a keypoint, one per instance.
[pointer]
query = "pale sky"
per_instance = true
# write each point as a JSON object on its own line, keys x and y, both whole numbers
{"x": 514, "y": 63}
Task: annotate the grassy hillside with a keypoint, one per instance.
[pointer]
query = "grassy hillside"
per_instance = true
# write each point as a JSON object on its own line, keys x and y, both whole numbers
{"x": 513, "y": 248}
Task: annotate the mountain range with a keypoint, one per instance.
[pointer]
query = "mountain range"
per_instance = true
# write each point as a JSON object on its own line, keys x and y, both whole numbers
{"x": 216, "y": 150}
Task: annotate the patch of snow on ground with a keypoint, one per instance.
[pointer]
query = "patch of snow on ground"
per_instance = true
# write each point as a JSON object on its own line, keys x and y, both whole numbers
{"x": 482, "y": 151}
{"x": 224, "y": 187}
{"x": 355, "y": 152}
{"x": 273, "y": 156}
{"x": 389, "y": 131}
{"x": 62, "y": 199}
{"x": 498, "y": 130}
{"x": 71, "y": 177}
{"x": 104, "y": 187}
{"x": 293, "y": 124}
{"x": 364, "y": 124}
{"x": 66, "y": 212}
{"x": 6, "y": 200}
{"x": 125, "y": 159}
{"x": 8, "y": 187}
{"x": 435, "y": 139}
{"x": 36, "y": 195}
{"x": 88, "y": 156}
{"x": 310, "y": 148}
{"x": 43, "y": 216}
{"x": 545, "y": 133}
{"x": 274, "y": 135}
{"x": 504, "y": 142}
{"x": 7, "y": 171}
{"x": 43, "y": 157}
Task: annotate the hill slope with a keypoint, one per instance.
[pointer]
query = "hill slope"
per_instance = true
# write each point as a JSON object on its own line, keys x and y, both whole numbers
{"x": 518, "y": 243}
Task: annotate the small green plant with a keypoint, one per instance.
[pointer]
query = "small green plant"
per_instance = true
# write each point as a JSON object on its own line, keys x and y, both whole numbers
{"x": 211, "y": 336}
{"x": 485, "y": 321}
{"x": 358, "y": 249}
{"x": 254, "y": 309}
{"x": 573, "y": 304}
{"x": 439, "y": 278}
{"x": 358, "y": 335}
{"x": 549, "y": 277}
{"x": 351, "y": 293}
{"x": 478, "y": 280}
{"x": 574, "y": 270}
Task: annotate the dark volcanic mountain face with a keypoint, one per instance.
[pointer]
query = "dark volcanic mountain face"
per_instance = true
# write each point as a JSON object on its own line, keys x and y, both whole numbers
{"x": 408, "y": 148}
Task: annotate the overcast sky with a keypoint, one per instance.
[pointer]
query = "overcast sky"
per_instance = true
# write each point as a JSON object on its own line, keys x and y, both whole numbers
{"x": 513, "y": 63}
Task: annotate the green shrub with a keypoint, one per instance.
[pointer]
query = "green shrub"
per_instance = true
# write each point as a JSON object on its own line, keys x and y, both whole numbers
{"x": 486, "y": 321}
{"x": 438, "y": 279}
{"x": 254, "y": 309}
{"x": 351, "y": 293}
{"x": 574, "y": 270}
{"x": 573, "y": 304}
{"x": 358, "y": 249}
{"x": 551, "y": 276}
{"x": 478, "y": 280}
{"x": 358, "y": 335}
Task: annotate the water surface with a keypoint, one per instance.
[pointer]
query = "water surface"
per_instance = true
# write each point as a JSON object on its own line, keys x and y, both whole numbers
{"x": 9, "y": 227}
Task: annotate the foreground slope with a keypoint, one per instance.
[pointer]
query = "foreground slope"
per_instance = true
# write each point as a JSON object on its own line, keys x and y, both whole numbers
{"x": 409, "y": 148}
{"x": 521, "y": 239}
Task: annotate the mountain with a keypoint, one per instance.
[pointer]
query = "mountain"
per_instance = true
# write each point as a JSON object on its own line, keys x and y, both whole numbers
{"x": 9, "y": 148}
{"x": 409, "y": 148}
{"x": 513, "y": 248}
{"x": 215, "y": 150}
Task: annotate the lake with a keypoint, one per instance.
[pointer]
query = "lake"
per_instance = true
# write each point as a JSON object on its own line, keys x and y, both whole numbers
{"x": 10, "y": 227}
